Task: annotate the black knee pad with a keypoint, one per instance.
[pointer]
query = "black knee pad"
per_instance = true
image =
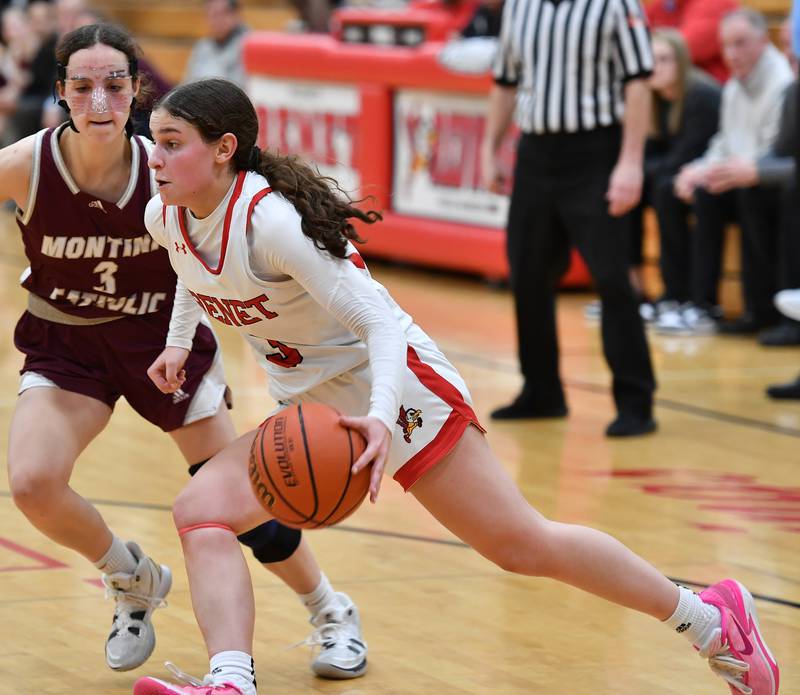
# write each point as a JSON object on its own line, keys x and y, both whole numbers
{"x": 270, "y": 542}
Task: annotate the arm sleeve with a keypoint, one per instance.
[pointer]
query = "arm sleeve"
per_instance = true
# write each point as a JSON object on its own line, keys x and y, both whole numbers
{"x": 186, "y": 315}
{"x": 346, "y": 292}
{"x": 770, "y": 125}
{"x": 775, "y": 171}
{"x": 185, "y": 311}
{"x": 698, "y": 124}
{"x": 633, "y": 41}
{"x": 154, "y": 220}
{"x": 506, "y": 68}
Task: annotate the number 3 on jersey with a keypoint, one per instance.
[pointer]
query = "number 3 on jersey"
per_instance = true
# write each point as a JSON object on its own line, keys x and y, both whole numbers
{"x": 108, "y": 283}
{"x": 286, "y": 356}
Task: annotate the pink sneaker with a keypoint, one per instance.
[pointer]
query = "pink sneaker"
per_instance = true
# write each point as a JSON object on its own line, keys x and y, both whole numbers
{"x": 736, "y": 650}
{"x": 155, "y": 686}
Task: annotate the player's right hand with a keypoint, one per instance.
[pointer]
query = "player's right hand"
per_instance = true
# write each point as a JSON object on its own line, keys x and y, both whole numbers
{"x": 167, "y": 371}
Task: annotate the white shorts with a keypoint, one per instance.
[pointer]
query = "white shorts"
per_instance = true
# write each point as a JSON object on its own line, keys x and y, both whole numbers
{"x": 435, "y": 409}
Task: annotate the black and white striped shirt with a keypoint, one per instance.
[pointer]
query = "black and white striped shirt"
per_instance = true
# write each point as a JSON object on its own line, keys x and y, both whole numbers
{"x": 570, "y": 59}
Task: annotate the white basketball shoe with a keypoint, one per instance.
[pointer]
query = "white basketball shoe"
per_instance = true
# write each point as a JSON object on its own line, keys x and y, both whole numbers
{"x": 137, "y": 595}
{"x": 342, "y": 651}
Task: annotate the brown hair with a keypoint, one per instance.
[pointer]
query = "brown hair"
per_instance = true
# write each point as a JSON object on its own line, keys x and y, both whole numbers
{"x": 93, "y": 34}
{"x": 216, "y": 107}
{"x": 674, "y": 39}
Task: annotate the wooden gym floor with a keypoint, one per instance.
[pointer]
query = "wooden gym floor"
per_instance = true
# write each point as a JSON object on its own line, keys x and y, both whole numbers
{"x": 715, "y": 493}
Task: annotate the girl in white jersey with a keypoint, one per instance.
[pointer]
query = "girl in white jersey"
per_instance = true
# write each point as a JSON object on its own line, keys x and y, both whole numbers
{"x": 261, "y": 243}
{"x": 89, "y": 334}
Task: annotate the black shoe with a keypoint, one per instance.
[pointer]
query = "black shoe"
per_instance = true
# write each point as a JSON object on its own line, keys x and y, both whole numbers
{"x": 782, "y": 334}
{"x": 520, "y": 410}
{"x": 626, "y": 425}
{"x": 790, "y": 391}
{"x": 745, "y": 325}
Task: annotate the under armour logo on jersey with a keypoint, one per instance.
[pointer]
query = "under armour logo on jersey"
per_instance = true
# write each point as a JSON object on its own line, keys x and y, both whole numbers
{"x": 178, "y": 396}
{"x": 180, "y": 248}
{"x": 97, "y": 204}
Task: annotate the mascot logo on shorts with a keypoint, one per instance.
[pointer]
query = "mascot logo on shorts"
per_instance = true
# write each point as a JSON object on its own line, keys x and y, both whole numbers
{"x": 409, "y": 420}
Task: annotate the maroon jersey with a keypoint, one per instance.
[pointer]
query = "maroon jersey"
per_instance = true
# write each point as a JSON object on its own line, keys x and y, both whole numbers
{"x": 90, "y": 257}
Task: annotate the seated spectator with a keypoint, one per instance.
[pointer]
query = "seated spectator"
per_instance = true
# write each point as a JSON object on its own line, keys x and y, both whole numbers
{"x": 20, "y": 45}
{"x": 774, "y": 252}
{"x": 750, "y": 117}
{"x": 220, "y": 54}
{"x": 686, "y": 105}
{"x": 41, "y": 70}
{"x": 698, "y": 21}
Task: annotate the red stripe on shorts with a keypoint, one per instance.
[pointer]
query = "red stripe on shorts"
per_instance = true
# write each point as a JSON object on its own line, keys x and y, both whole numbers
{"x": 451, "y": 431}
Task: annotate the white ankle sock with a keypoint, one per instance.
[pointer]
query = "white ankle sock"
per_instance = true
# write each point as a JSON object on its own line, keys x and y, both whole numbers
{"x": 321, "y": 596}
{"x": 117, "y": 559}
{"x": 236, "y": 668}
{"x": 692, "y": 618}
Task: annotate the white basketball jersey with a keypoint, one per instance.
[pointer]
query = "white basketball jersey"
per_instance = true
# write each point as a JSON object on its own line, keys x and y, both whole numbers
{"x": 297, "y": 340}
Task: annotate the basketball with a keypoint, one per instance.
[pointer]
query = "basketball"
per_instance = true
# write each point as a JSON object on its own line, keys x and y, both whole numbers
{"x": 300, "y": 467}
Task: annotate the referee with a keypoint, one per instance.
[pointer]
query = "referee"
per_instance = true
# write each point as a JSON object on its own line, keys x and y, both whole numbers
{"x": 576, "y": 72}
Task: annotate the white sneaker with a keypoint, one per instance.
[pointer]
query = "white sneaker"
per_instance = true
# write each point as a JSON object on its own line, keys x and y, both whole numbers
{"x": 137, "y": 595}
{"x": 342, "y": 651}
{"x": 788, "y": 303}
{"x": 685, "y": 319}
{"x": 670, "y": 320}
{"x": 698, "y": 321}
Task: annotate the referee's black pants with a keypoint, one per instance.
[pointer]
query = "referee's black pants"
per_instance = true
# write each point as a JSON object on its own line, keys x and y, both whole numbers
{"x": 558, "y": 201}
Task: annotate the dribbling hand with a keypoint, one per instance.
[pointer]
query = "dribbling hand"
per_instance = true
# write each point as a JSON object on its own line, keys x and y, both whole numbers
{"x": 167, "y": 371}
{"x": 378, "y": 441}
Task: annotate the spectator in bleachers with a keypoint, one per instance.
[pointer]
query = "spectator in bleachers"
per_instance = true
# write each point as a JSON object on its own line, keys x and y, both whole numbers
{"x": 788, "y": 301}
{"x": 220, "y": 53}
{"x": 698, "y": 21}
{"x": 751, "y": 108}
{"x": 20, "y": 45}
{"x": 685, "y": 116}
{"x": 41, "y": 70}
{"x": 774, "y": 249}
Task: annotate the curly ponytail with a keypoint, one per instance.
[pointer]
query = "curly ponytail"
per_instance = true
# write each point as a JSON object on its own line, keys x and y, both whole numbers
{"x": 216, "y": 107}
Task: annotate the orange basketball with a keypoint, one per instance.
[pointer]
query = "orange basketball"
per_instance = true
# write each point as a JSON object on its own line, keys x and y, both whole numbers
{"x": 300, "y": 467}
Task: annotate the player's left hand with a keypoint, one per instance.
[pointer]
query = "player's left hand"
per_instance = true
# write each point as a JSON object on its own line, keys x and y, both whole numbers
{"x": 379, "y": 439}
{"x": 624, "y": 188}
{"x": 167, "y": 371}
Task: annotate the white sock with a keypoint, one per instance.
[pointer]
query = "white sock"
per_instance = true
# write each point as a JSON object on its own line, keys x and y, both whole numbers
{"x": 692, "y": 618}
{"x": 236, "y": 668}
{"x": 117, "y": 559}
{"x": 321, "y": 596}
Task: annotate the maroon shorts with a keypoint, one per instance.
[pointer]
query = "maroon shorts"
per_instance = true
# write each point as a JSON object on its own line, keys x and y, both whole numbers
{"x": 109, "y": 360}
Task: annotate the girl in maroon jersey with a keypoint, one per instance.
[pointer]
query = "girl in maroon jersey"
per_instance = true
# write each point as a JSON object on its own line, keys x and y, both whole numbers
{"x": 286, "y": 229}
{"x": 100, "y": 299}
